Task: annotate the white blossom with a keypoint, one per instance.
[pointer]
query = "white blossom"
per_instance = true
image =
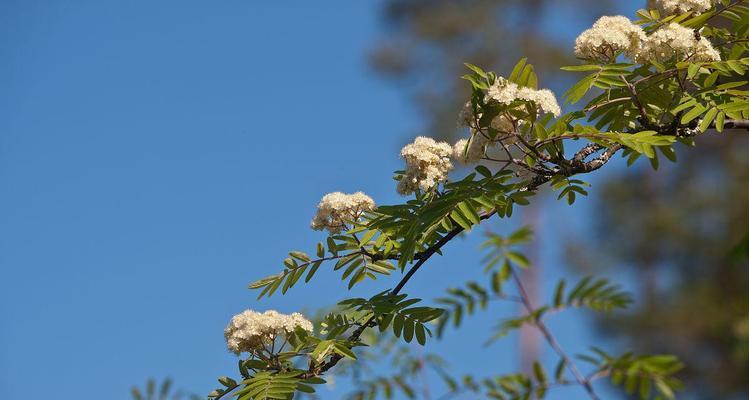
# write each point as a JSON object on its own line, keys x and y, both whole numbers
{"x": 466, "y": 117}
{"x": 543, "y": 98}
{"x": 677, "y": 42}
{"x": 477, "y": 145}
{"x": 608, "y": 37}
{"x": 501, "y": 122}
{"x": 670, "y": 7}
{"x": 427, "y": 164}
{"x": 480, "y": 141}
{"x": 250, "y": 330}
{"x": 505, "y": 92}
{"x": 336, "y": 209}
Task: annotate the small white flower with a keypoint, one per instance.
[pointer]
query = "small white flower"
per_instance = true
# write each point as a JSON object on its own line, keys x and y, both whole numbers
{"x": 337, "y": 209}
{"x": 427, "y": 165}
{"x": 475, "y": 149}
{"x": 669, "y": 7}
{"x": 608, "y": 37}
{"x": 467, "y": 118}
{"x": 543, "y": 98}
{"x": 506, "y": 92}
{"x": 249, "y": 331}
{"x": 674, "y": 41}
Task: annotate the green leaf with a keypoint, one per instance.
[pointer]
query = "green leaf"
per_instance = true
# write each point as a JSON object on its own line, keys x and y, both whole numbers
{"x": 707, "y": 119}
{"x": 578, "y": 90}
{"x": 341, "y": 349}
{"x": 711, "y": 79}
{"x": 475, "y": 82}
{"x": 480, "y": 72}
{"x": 300, "y": 256}
{"x": 539, "y": 372}
{"x": 484, "y": 171}
{"x": 559, "y": 370}
{"x": 692, "y": 70}
{"x": 470, "y": 212}
{"x": 559, "y": 294}
{"x": 421, "y": 336}
{"x": 463, "y": 222}
{"x": 519, "y": 259}
{"x": 517, "y": 70}
{"x": 312, "y": 271}
{"x": 578, "y": 68}
{"x": 693, "y": 113}
{"x": 720, "y": 121}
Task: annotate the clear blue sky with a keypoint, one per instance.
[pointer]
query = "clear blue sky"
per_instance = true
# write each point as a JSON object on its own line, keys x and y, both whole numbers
{"x": 155, "y": 157}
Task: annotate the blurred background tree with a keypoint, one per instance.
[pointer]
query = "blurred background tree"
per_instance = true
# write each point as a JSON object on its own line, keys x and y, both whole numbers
{"x": 695, "y": 213}
{"x": 426, "y": 42}
{"x": 687, "y": 263}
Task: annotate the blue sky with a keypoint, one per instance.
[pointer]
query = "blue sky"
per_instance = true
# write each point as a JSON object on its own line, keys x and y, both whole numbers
{"x": 155, "y": 157}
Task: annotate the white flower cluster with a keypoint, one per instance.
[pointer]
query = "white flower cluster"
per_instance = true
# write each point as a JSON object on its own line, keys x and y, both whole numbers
{"x": 608, "y": 37}
{"x": 505, "y": 92}
{"x": 466, "y": 117}
{"x": 469, "y": 153}
{"x": 681, "y": 6}
{"x": 250, "y": 330}
{"x": 681, "y": 43}
{"x": 611, "y": 35}
{"x": 501, "y": 122}
{"x": 427, "y": 164}
{"x": 336, "y": 209}
{"x": 475, "y": 149}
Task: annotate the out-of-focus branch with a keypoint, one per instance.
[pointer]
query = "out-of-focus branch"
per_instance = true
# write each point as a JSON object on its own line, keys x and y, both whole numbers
{"x": 538, "y": 323}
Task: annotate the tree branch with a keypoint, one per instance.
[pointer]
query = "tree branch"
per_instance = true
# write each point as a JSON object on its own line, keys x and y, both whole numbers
{"x": 423, "y": 257}
{"x": 579, "y": 377}
{"x": 734, "y": 124}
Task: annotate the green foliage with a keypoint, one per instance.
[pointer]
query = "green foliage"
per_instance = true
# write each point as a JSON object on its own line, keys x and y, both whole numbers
{"x": 397, "y": 312}
{"x": 154, "y": 391}
{"x": 352, "y": 255}
{"x": 502, "y": 250}
{"x": 596, "y": 294}
{"x": 387, "y": 386}
{"x": 642, "y": 109}
{"x": 570, "y": 188}
{"x": 268, "y": 385}
{"x": 741, "y": 250}
{"x": 469, "y": 300}
{"x": 387, "y": 368}
{"x": 649, "y": 376}
{"x": 507, "y": 325}
{"x": 517, "y": 386}
{"x": 604, "y": 77}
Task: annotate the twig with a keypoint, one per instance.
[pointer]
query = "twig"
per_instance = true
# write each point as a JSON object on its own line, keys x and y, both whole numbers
{"x": 579, "y": 377}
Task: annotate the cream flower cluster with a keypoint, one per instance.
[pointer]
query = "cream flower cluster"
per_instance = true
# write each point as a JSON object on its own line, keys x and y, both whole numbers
{"x": 681, "y": 6}
{"x": 471, "y": 151}
{"x": 427, "y": 164}
{"x": 505, "y": 92}
{"x": 608, "y": 37}
{"x": 676, "y": 41}
{"x": 250, "y": 330}
{"x": 336, "y": 209}
{"x": 466, "y": 118}
{"x": 475, "y": 149}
